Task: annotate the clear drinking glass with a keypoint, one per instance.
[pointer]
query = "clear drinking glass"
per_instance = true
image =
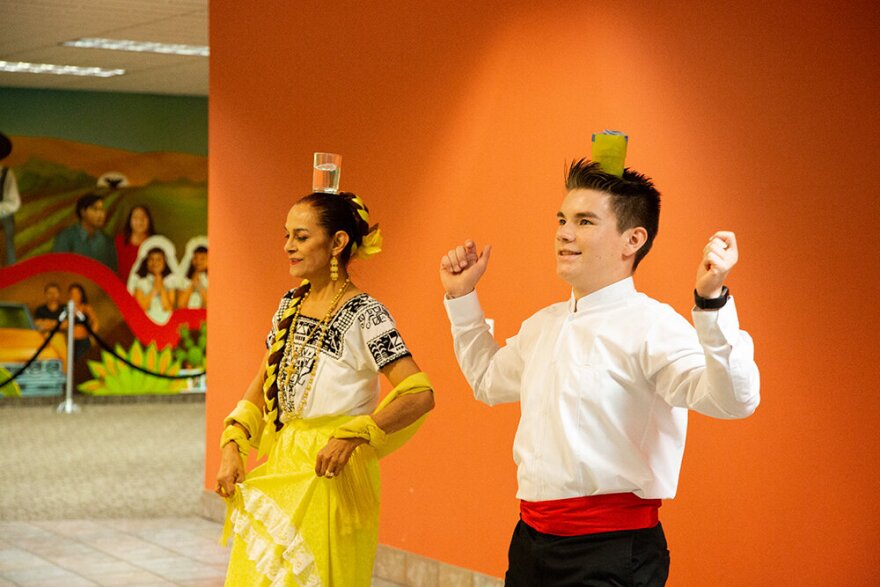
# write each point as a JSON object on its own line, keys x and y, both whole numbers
{"x": 325, "y": 175}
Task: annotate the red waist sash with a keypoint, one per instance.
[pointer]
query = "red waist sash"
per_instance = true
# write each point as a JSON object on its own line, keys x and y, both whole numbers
{"x": 591, "y": 514}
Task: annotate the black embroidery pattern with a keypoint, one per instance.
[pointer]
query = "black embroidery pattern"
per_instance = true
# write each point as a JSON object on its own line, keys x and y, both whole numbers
{"x": 387, "y": 348}
{"x": 373, "y": 315}
{"x": 383, "y": 340}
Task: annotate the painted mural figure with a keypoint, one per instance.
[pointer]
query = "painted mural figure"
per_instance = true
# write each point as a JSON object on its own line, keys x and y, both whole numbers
{"x": 193, "y": 278}
{"x": 86, "y": 237}
{"x": 10, "y": 201}
{"x": 152, "y": 280}
{"x": 138, "y": 227}
{"x": 81, "y": 338}
{"x": 309, "y": 515}
{"x": 604, "y": 381}
{"x": 46, "y": 315}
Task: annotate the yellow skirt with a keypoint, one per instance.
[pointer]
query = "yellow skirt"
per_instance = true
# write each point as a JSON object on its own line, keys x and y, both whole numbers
{"x": 292, "y": 527}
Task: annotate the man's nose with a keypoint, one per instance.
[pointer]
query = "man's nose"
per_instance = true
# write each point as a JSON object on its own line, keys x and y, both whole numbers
{"x": 564, "y": 234}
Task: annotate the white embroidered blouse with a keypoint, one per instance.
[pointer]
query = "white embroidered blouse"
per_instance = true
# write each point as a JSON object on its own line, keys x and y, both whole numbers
{"x": 361, "y": 339}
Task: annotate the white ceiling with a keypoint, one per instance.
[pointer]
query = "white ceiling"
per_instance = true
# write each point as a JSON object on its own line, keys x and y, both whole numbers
{"x": 33, "y": 30}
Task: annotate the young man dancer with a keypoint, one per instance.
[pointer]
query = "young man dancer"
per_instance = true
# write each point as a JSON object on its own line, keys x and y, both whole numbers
{"x": 604, "y": 382}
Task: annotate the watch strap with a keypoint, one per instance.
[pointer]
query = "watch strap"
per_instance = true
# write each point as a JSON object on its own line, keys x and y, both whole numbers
{"x": 712, "y": 303}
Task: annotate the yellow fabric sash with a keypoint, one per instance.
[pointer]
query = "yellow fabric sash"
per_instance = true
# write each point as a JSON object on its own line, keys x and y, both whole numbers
{"x": 415, "y": 383}
{"x": 235, "y": 434}
{"x": 248, "y": 415}
{"x": 361, "y": 427}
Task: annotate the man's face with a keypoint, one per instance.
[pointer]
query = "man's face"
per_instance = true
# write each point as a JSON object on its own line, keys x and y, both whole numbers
{"x": 94, "y": 216}
{"x": 53, "y": 294}
{"x": 590, "y": 252}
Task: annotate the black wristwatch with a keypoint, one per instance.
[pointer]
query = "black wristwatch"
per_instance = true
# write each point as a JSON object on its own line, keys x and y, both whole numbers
{"x": 712, "y": 303}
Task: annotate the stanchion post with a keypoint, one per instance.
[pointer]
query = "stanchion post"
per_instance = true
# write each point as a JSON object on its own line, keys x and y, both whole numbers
{"x": 67, "y": 406}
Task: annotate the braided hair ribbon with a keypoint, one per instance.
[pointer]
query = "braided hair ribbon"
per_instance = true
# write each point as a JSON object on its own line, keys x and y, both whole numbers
{"x": 271, "y": 413}
{"x": 371, "y": 242}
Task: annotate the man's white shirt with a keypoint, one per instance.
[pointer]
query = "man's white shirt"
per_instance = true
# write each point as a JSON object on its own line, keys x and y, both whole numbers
{"x": 604, "y": 383}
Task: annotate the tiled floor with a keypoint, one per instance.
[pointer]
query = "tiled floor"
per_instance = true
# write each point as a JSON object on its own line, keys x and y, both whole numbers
{"x": 124, "y": 552}
{"x": 111, "y": 552}
{"x": 97, "y": 498}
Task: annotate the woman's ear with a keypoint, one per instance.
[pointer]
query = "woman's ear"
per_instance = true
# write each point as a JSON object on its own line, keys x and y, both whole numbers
{"x": 340, "y": 239}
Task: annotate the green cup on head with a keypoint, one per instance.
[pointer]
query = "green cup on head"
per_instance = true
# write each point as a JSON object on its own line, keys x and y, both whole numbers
{"x": 609, "y": 150}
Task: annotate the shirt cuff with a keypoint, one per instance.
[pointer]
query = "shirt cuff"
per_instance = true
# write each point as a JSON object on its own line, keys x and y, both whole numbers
{"x": 464, "y": 310}
{"x": 717, "y": 327}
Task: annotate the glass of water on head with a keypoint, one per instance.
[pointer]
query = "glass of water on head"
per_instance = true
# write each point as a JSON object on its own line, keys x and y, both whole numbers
{"x": 325, "y": 174}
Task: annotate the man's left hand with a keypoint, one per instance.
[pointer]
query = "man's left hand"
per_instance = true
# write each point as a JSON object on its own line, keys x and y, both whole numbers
{"x": 719, "y": 257}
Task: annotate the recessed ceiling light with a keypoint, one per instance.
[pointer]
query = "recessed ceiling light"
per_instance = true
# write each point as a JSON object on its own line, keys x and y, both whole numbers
{"x": 139, "y": 46}
{"x": 24, "y": 67}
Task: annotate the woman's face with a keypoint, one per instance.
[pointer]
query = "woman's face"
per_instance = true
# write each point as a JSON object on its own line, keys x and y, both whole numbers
{"x": 75, "y": 295}
{"x": 200, "y": 261}
{"x": 306, "y": 243}
{"x": 140, "y": 222}
{"x": 155, "y": 262}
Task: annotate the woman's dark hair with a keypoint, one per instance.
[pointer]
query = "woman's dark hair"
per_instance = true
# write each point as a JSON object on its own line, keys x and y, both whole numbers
{"x": 82, "y": 291}
{"x": 340, "y": 212}
{"x": 126, "y": 229}
{"x": 191, "y": 270}
{"x": 142, "y": 268}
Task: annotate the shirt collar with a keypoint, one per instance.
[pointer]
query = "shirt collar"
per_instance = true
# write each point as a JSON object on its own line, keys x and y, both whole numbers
{"x": 83, "y": 234}
{"x": 617, "y": 291}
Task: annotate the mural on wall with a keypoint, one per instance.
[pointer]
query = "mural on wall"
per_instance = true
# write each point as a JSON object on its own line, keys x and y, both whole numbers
{"x": 122, "y": 234}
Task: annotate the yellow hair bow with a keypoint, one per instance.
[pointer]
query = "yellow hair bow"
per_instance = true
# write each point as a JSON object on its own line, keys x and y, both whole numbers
{"x": 371, "y": 245}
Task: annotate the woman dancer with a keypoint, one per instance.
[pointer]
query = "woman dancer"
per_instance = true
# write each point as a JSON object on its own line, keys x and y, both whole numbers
{"x": 309, "y": 515}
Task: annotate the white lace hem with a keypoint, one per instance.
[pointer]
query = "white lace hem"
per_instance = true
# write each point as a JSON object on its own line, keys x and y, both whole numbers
{"x": 286, "y": 553}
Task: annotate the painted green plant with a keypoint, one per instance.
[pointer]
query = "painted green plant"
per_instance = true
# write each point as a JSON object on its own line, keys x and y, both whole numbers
{"x": 114, "y": 377}
{"x": 191, "y": 347}
{"x": 11, "y": 389}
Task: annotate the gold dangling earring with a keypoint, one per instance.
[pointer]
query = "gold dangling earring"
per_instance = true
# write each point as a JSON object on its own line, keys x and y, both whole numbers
{"x": 334, "y": 269}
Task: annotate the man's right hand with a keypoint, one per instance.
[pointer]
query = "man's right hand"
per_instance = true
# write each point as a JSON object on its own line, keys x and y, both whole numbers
{"x": 461, "y": 268}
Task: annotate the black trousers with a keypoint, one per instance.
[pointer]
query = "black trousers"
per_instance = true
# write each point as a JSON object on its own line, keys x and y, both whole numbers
{"x": 629, "y": 558}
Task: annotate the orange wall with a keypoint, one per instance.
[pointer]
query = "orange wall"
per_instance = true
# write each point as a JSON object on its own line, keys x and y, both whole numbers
{"x": 455, "y": 119}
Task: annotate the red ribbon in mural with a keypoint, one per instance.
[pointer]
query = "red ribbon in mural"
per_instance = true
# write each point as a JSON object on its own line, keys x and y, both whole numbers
{"x": 143, "y": 328}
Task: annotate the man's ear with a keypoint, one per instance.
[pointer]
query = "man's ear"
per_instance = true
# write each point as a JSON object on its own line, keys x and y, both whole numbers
{"x": 635, "y": 240}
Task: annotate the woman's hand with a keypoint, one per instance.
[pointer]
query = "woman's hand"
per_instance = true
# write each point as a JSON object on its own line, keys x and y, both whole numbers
{"x": 231, "y": 470}
{"x": 334, "y": 456}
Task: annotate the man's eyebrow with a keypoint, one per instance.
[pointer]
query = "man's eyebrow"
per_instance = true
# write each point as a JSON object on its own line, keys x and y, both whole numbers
{"x": 579, "y": 215}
